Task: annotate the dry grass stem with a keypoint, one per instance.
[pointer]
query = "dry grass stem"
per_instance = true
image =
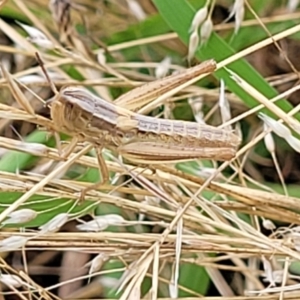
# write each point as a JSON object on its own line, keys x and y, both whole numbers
{"x": 146, "y": 220}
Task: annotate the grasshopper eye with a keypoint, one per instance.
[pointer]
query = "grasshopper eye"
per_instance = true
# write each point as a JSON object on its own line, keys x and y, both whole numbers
{"x": 127, "y": 135}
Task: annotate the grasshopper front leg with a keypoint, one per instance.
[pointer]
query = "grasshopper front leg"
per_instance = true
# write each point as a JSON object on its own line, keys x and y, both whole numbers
{"x": 104, "y": 174}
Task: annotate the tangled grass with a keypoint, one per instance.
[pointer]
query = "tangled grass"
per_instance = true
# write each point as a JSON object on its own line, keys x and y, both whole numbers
{"x": 195, "y": 230}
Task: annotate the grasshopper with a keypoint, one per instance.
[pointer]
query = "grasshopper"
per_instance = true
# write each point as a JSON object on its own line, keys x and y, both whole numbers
{"x": 138, "y": 138}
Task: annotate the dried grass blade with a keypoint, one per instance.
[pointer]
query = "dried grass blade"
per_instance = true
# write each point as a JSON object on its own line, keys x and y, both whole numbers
{"x": 17, "y": 93}
{"x": 42, "y": 183}
{"x": 136, "y": 281}
{"x": 61, "y": 13}
{"x": 154, "y": 288}
{"x": 291, "y": 121}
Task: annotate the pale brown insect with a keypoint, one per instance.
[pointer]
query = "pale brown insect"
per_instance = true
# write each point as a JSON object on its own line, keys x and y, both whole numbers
{"x": 138, "y": 138}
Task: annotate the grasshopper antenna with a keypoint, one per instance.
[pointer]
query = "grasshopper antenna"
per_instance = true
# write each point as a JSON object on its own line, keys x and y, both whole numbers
{"x": 52, "y": 85}
{"x": 54, "y": 90}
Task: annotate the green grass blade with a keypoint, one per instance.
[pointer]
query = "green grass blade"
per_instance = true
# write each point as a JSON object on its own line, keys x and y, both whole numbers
{"x": 179, "y": 14}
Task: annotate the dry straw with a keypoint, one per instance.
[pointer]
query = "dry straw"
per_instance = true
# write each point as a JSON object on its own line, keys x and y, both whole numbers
{"x": 192, "y": 225}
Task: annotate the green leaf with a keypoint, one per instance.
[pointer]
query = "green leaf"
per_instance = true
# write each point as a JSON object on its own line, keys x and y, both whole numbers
{"x": 15, "y": 160}
{"x": 194, "y": 278}
{"x": 47, "y": 208}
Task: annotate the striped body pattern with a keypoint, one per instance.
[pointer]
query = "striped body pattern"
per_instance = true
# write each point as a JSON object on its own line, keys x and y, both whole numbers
{"x": 137, "y": 137}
